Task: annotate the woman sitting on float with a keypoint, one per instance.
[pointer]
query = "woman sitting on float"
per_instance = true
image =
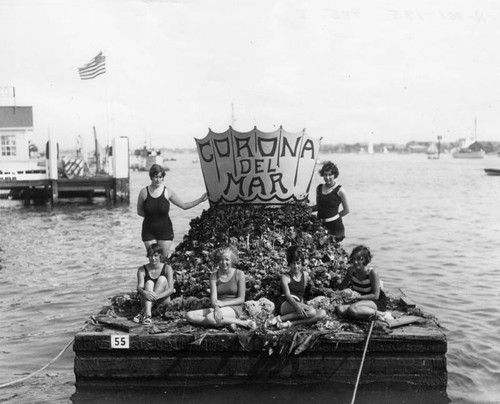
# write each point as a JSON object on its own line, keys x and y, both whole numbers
{"x": 155, "y": 284}
{"x": 227, "y": 295}
{"x": 293, "y": 310}
{"x": 365, "y": 296}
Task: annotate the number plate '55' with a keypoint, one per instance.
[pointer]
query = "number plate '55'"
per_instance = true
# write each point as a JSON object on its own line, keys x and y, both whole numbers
{"x": 120, "y": 341}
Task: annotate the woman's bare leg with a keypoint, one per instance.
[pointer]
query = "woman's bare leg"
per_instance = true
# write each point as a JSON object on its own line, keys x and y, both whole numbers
{"x": 205, "y": 317}
{"x": 165, "y": 246}
{"x": 148, "y": 304}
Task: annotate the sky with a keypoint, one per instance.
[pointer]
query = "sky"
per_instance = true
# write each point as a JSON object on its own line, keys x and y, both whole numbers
{"x": 345, "y": 71}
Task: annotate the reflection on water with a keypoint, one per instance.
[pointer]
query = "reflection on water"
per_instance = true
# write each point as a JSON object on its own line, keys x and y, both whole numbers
{"x": 432, "y": 226}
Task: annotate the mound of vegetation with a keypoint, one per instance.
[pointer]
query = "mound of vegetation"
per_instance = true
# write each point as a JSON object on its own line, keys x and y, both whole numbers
{"x": 261, "y": 234}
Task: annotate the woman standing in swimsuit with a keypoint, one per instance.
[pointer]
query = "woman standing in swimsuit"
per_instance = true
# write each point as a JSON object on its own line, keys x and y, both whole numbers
{"x": 329, "y": 198}
{"x": 227, "y": 295}
{"x": 155, "y": 284}
{"x": 153, "y": 205}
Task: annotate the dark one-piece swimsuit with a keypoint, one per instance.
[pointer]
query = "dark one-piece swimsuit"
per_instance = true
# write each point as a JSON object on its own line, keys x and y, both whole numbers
{"x": 157, "y": 224}
{"x": 147, "y": 277}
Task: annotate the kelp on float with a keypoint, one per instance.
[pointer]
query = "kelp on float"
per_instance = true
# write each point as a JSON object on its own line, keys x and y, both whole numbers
{"x": 261, "y": 234}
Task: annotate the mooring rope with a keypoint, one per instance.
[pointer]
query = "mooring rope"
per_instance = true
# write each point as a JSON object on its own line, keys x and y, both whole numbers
{"x": 39, "y": 370}
{"x": 362, "y": 361}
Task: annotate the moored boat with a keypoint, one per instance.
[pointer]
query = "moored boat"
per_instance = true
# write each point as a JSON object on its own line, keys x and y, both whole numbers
{"x": 469, "y": 148}
{"x": 433, "y": 152}
{"x": 143, "y": 159}
{"x": 492, "y": 171}
{"x": 466, "y": 153}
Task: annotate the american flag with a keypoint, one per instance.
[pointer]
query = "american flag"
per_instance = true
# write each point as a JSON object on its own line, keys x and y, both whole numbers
{"x": 94, "y": 68}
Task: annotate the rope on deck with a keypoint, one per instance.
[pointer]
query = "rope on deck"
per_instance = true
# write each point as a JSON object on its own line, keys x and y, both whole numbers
{"x": 362, "y": 361}
{"x": 39, "y": 370}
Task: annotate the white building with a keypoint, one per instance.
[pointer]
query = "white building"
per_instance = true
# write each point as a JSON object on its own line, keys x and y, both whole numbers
{"x": 16, "y": 129}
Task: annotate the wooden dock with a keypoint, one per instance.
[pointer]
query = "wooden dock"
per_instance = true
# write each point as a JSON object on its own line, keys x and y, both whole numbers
{"x": 86, "y": 187}
{"x": 115, "y": 350}
{"x": 48, "y": 184}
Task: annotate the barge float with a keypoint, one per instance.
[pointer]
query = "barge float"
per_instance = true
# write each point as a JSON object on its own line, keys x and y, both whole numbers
{"x": 112, "y": 349}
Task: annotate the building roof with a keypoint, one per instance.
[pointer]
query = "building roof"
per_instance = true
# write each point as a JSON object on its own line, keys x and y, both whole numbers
{"x": 16, "y": 117}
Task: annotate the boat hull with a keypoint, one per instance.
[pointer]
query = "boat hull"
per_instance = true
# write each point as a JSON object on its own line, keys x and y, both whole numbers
{"x": 492, "y": 171}
{"x": 468, "y": 154}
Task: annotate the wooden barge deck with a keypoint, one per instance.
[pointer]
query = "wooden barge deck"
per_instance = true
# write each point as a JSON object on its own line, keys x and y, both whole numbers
{"x": 113, "y": 349}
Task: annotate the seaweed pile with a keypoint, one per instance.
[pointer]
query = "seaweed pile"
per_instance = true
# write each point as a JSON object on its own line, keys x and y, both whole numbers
{"x": 261, "y": 234}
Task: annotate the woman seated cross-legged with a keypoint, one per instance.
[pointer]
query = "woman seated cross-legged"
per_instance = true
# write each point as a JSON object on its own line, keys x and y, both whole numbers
{"x": 293, "y": 310}
{"x": 227, "y": 295}
{"x": 363, "y": 289}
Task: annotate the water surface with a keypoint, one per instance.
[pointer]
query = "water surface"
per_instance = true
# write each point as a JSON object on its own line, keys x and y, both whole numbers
{"x": 433, "y": 227}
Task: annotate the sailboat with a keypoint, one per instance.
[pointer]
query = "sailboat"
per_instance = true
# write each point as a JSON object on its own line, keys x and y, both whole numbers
{"x": 370, "y": 147}
{"x": 465, "y": 152}
{"x": 432, "y": 152}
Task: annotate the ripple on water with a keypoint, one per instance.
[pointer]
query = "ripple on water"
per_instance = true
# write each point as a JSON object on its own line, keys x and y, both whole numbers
{"x": 429, "y": 234}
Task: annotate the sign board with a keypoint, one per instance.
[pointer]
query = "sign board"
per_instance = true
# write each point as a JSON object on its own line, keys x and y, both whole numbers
{"x": 120, "y": 341}
{"x": 257, "y": 167}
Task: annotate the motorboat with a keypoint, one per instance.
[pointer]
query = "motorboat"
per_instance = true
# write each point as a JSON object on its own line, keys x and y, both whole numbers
{"x": 466, "y": 153}
{"x": 492, "y": 171}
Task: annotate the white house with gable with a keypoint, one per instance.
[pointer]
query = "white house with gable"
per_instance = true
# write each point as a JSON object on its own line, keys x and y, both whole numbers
{"x": 16, "y": 129}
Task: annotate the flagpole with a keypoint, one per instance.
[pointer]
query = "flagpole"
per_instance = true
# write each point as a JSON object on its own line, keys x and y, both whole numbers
{"x": 97, "y": 155}
{"x": 108, "y": 113}
{"x": 94, "y": 68}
